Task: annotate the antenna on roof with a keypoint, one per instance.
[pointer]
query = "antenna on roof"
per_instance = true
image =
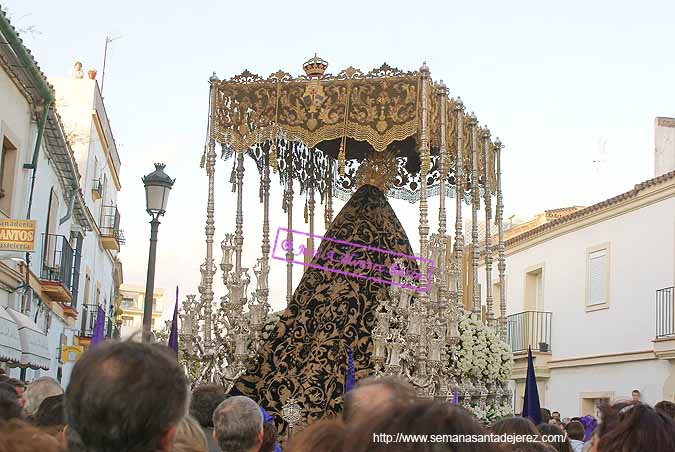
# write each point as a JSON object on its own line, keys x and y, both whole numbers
{"x": 108, "y": 40}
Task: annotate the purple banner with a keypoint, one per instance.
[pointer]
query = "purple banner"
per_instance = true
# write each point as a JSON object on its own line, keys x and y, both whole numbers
{"x": 351, "y": 259}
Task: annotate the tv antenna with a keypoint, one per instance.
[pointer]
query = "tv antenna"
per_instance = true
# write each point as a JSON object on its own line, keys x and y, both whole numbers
{"x": 601, "y": 156}
{"x": 108, "y": 40}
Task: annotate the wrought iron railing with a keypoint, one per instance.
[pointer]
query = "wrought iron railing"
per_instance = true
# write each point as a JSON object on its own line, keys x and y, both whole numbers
{"x": 665, "y": 312}
{"x": 110, "y": 223}
{"x": 89, "y": 312}
{"x": 529, "y": 329}
{"x": 57, "y": 260}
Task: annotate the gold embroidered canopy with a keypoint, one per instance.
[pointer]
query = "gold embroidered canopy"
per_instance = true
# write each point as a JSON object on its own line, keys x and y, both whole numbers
{"x": 349, "y": 115}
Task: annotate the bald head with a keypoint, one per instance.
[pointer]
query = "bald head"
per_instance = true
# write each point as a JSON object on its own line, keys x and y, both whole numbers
{"x": 373, "y": 395}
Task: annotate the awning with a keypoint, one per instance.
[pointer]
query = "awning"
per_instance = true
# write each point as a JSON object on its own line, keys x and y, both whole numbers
{"x": 34, "y": 346}
{"x": 10, "y": 344}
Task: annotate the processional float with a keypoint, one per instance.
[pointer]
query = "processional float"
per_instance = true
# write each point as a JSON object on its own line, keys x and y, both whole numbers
{"x": 319, "y": 132}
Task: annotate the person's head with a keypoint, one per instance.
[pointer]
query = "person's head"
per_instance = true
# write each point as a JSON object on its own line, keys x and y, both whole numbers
{"x": 575, "y": 430}
{"x": 375, "y": 394}
{"x": 238, "y": 425}
{"x": 422, "y": 417}
{"x": 269, "y": 432}
{"x": 19, "y": 387}
{"x": 555, "y": 415}
{"x": 545, "y": 415}
{"x": 555, "y": 437}
{"x": 515, "y": 425}
{"x": 326, "y": 435}
{"x": 51, "y": 416}
{"x": 636, "y": 428}
{"x": 37, "y": 391}
{"x": 125, "y": 396}
{"x": 635, "y": 395}
{"x": 190, "y": 437}
{"x": 9, "y": 403}
{"x": 18, "y": 436}
{"x": 666, "y": 407}
{"x": 205, "y": 399}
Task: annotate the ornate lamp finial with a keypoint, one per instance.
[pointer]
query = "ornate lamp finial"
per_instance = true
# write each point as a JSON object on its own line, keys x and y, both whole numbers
{"x": 315, "y": 67}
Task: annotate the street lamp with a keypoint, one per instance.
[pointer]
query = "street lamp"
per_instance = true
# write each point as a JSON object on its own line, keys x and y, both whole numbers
{"x": 157, "y": 187}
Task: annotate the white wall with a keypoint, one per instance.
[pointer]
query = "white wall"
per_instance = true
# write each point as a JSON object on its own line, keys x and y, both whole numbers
{"x": 642, "y": 261}
{"x": 564, "y": 388}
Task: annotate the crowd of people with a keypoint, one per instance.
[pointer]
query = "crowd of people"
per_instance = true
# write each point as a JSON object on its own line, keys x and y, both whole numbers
{"x": 134, "y": 397}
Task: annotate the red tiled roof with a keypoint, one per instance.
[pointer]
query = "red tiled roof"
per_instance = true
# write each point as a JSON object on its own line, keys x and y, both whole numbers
{"x": 590, "y": 209}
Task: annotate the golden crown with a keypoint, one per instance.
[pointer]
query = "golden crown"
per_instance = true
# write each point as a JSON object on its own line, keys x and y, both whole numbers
{"x": 315, "y": 67}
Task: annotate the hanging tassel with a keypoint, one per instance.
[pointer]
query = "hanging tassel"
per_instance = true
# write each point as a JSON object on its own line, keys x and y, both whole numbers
{"x": 306, "y": 215}
{"x": 284, "y": 203}
{"x": 341, "y": 158}
{"x": 274, "y": 164}
{"x": 233, "y": 177}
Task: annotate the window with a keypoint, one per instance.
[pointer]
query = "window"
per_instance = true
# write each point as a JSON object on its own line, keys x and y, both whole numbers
{"x": 597, "y": 277}
{"x": 87, "y": 288}
{"x": 128, "y": 321}
{"x": 7, "y": 172}
{"x": 534, "y": 288}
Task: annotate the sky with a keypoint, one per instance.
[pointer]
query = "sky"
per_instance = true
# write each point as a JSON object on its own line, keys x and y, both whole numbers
{"x": 571, "y": 88}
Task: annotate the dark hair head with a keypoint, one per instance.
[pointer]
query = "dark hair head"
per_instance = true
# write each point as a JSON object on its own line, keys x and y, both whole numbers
{"x": 666, "y": 407}
{"x": 637, "y": 428}
{"x": 269, "y": 437}
{"x": 326, "y": 435}
{"x": 9, "y": 403}
{"x": 635, "y": 391}
{"x": 515, "y": 425}
{"x": 16, "y": 383}
{"x": 575, "y": 430}
{"x": 545, "y": 415}
{"x": 51, "y": 412}
{"x": 423, "y": 417}
{"x": 549, "y": 432}
{"x": 205, "y": 399}
{"x": 124, "y": 396}
{"x": 376, "y": 393}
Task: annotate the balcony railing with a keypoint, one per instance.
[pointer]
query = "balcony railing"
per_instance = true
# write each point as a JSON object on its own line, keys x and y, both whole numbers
{"x": 111, "y": 235}
{"x": 89, "y": 312}
{"x": 56, "y": 272}
{"x": 529, "y": 329}
{"x": 665, "y": 312}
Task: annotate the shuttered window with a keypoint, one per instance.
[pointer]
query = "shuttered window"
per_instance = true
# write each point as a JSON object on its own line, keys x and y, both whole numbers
{"x": 597, "y": 277}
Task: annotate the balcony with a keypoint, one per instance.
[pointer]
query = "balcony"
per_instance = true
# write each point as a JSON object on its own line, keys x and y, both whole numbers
{"x": 89, "y": 312}
{"x": 529, "y": 329}
{"x": 111, "y": 235}
{"x": 665, "y": 312}
{"x": 97, "y": 190}
{"x": 56, "y": 273}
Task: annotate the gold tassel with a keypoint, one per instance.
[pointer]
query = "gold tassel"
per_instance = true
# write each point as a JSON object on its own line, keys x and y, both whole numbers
{"x": 273, "y": 157}
{"x": 306, "y": 215}
{"x": 341, "y": 158}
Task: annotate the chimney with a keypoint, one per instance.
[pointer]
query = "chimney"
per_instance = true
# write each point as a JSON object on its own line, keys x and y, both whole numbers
{"x": 92, "y": 74}
{"x": 664, "y": 145}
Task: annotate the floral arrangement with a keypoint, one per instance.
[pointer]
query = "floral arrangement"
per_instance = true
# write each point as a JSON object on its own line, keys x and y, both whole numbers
{"x": 270, "y": 322}
{"x": 481, "y": 354}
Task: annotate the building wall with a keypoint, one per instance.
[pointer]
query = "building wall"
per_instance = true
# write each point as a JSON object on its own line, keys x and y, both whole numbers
{"x": 643, "y": 238}
{"x": 133, "y": 300}
{"x": 567, "y": 387}
{"x": 642, "y": 260}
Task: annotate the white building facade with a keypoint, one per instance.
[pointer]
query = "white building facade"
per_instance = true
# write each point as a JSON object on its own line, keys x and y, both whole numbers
{"x": 44, "y": 287}
{"x": 592, "y": 294}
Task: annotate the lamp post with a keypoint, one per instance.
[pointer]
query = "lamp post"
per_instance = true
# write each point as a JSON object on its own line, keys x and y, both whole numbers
{"x": 157, "y": 187}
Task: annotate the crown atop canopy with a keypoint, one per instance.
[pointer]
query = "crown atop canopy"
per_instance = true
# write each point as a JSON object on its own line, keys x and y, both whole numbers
{"x": 315, "y": 67}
